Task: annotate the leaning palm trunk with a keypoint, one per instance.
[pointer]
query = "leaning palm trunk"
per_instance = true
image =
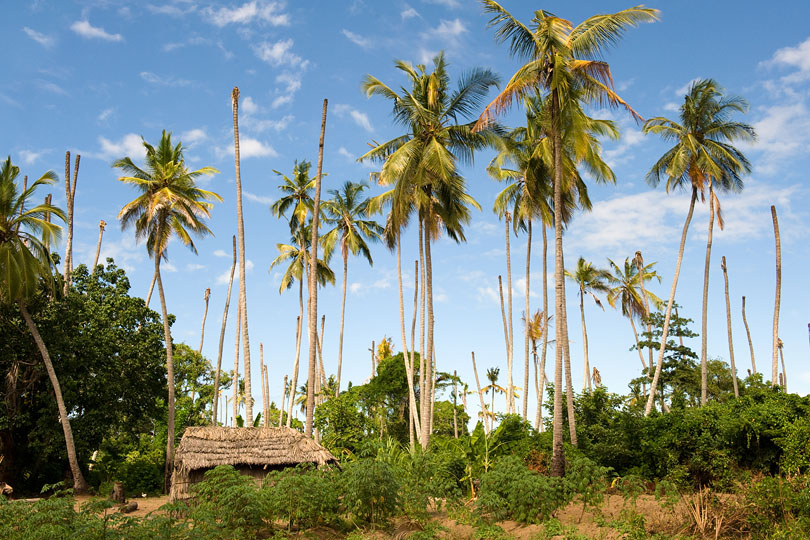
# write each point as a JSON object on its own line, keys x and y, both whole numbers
{"x": 342, "y": 314}
{"x": 506, "y": 340}
{"x": 569, "y": 386}
{"x": 261, "y": 379}
{"x": 79, "y": 484}
{"x": 557, "y": 456}
{"x": 484, "y": 415}
{"x": 70, "y": 196}
{"x": 283, "y": 401}
{"x": 774, "y": 360}
{"x": 429, "y": 366}
{"x": 784, "y": 371}
{"x": 730, "y": 341}
{"x": 240, "y": 230}
{"x": 205, "y": 315}
{"x": 422, "y": 356}
{"x": 545, "y": 314}
{"x": 526, "y": 327}
{"x": 222, "y": 334}
{"x": 236, "y": 364}
{"x": 640, "y": 355}
{"x": 586, "y": 380}
{"x": 312, "y": 319}
{"x": 510, "y": 392}
{"x": 101, "y": 225}
{"x": 640, "y": 266}
{"x": 170, "y": 434}
{"x": 668, "y": 313}
{"x": 455, "y": 404}
{"x": 413, "y": 422}
{"x": 704, "y": 372}
{"x": 151, "y": 288}
{"x": 751, "y": 343}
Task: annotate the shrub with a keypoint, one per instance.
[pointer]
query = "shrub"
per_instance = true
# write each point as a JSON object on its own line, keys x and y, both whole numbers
{"x": 370, "y": 489}
{"x": 304, "y": 496}
{"x": 227, "y": 503}
{"x": 511, "y": 491}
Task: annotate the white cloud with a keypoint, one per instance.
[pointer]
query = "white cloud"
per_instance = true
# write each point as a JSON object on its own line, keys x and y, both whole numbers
{"x": 130, "y": 145}
{"x": 196, "y": 40}
{"x": 261, "y": 126}
{"x": 193, "y": 136}
{"x": 783, "y": 130}
{"x": 257, "y": 198}
{"x": 49, "y": 86}
{"x": 173, "y": 10}
{"x": 672, "y": 106}
{"x": 796, "y": 57}
{"x": 409, "y": 13}
{"x": 105, "y": 114}
{"x": 357, "y": 39}
{"x": 87, "y": 30}
{"x": 269, "y": 12}
{"x": 225, "y": 276}
{"x": 167, "y": 80}
{"x": 281, "y": 100}
{"x": 360, "y": 118}
{"x": 450, "y": 29}
{"x": 194, "y": 266}
{"x": 489, "y": 293}
{"x": 446, "y": 3}
{"x": 248, "y": 148}
{"x": 221, "y": 253}
{"x": 168, "y": 267}
{"x": 680, "y": 92}
{"x": 42, "y": 39}
{"x": 345, "y": 153}
{"x": 248, "y": 106}
{"x": 28, "y": 156}
{"x": 292, "y": 83}
{"x": 279, "y": 53}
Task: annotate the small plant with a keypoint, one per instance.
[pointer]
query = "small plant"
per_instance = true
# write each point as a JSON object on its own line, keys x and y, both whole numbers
{"x": 303, "y": 496}
{"x": 370, "y": 490}
{"x": 511, "y": 491}
{"x": 227, "y": 503}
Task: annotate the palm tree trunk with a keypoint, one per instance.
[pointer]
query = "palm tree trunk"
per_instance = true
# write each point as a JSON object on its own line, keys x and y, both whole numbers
{"x": 298, "y": 336}
{"x": 640, "y": 354}
{"x": 704, "y": 372}
{"x": 240, "y": 221}
{"x": 79, "y": 483}
{"x": 236, "y": 364}
{"x": 586, "y": 380}
{"x": 569, "y": 387}
{"x": 321, "y": 369}
{"x": 639, "y": 260}
{"x": 484, "y": 416}
{"x": 558, "y": 456}
{"x": 545, "y": 308}
{"x": 167, "y": 336}
{"x": 510, "y": 392}
{"x": 342, "y": 314}
{"x": 455, "y": 404}
{"x": 151, "y": 288}
{"x": 101, "y": 225}
{"x": 70, "y": 197}
{"x": 784, "y": 371}
{"x": 526, "y": 327}
{"x": 261, "y": 379}
{"x": 730, "y": 342}
{"x": 426, "y": 422}
{"x": 417, "y": 425}
{"x": 506, "y": 341}
{"x": 538, "y": 413}
{"x": 774, "y": 366}
{"x": 422, "y": 356}
{"x": 751, "y": 343}
{"x": 412, "y": 414}
{"x": 433, "y": 373}
{"x": 283, "y": 402}
{"x": 222, "y": 333}
{"x": 205, "y": 315}
{"x": 668, "y": 313}
{"x": 313, "y": 282}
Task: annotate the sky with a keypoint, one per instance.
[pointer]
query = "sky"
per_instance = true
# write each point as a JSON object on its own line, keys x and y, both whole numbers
{"x": 95, "y": 77}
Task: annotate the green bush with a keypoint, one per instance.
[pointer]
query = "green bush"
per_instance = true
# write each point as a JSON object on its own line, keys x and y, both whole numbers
{"x": 370, "y": 490}
{"x": 777, "y": 505}
{"x": 511, "y": 491}
{"x": 303, "y": 496}
{"x": 228, "y": 504}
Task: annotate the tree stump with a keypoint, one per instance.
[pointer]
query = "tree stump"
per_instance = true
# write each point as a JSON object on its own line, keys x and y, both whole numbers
{"x": 126, "y": 508}
{"x": 118, "y": 494}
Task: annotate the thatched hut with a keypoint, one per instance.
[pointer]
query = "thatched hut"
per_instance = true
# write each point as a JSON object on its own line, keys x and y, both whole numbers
{"x": 252, "y": 451}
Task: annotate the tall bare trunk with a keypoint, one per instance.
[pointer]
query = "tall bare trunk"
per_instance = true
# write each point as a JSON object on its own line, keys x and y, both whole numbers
{"x": 79, "y": 483}
{"x": 236, "y": 364}
{"x": 70, "y": 196}
{"x": 639, "y": 260}
{"x": 640, "y": 355}
{"x": 321, "y": 370}
{"x": 151, "y": 288}
{"x": 774, "y": 360}
{"x": 240, "y": 231}
{"x": 298, "y": 337}
{"x": 313, "y": 282}
{"x": 222, "y": 333}
{"x": 751, "y": 343}
{"x": 205, "y": 315}
{"x": 526, "y": 326}
{"x": 544, "y": 350}
{"x": 665, "y": 332}
{"x": 510, "y": 387}
{"x": 283, "y": 402}
{"x": 484, "y": 415}
{"x": 704, "y": 372}
{"x": 569, "y": 386}
{"x": 342, "y": 314}
{"x": 730, "y": 341}
{"x": 422, "y": 355}
{"x": 455, "y": 404}
{"x": 506, "y": 341}
{"x": 586, "y": 379}
{"x": 427, "y": 420}
{"x": 413, "y": 420}
{"x": 784, "y": 371}
{"x": 170, "y": 434}
{"x": 101, "y": 225}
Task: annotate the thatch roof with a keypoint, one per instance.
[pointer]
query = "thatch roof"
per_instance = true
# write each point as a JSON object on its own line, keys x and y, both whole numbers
{"x": 207, "y": 447}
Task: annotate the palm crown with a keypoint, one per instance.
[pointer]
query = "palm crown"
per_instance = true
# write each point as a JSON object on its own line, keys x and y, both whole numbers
{"x": 346, "y": 210}
{"x": 626, "y": 281}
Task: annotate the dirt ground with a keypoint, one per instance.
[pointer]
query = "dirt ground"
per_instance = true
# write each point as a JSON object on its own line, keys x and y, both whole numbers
{"x": 145, "y": 504}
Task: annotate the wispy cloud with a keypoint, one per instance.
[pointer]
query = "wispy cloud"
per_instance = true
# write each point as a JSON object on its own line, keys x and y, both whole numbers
{"x": 195, "y": 266}
{"x": 129, "y": 145}
{"x": 446, "y": 3}
{"x": 225, "y": 276}
{"x": 39, "y": 37}
{"x": 360, "y": 118}
{"x": 357, "y": 39}
{"x": 165, "y": 80}
{"x": 797, "y": 57}
{"x": 172, "y": 10}
{"x": 279, "y": 53}
{"x": 258, "y": 198}
{"x": 29, "y": 156}
{"x": 248, "y": 148}
{"x": 409, "y": 13}
{"x": 193, "y": 136}
{"x": 49, "y": 86}
{"x": 291, "y": 83}
{"x": 220, "y": 253}
{"x": 87, "y": 30}
{"x": 255, "y": 11}
{"x": 105, "y": 114}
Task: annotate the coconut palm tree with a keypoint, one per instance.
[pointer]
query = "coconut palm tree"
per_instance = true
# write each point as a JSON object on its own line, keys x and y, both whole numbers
{"x": 563, "y": 61}
{"x": 728, "y": 325}
{"x": 346, "y": 210}
{"x": 702, "y": 158}
{"x": 493, "y": 387}
{"x": 589, "y": 280}
{"x": 422, "y": 166}
{"x": 778, "y": 299}
{"x": 25, "y": 267}
{"x": 169, "y": 204}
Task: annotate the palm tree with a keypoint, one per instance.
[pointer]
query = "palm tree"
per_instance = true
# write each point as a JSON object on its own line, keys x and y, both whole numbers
{"x": 628, "y": 290}
{"x": 778, "y": 298}
{"x": 222, "y": 332}
{"x": 169, "y": 204}
{"x": 25, "y": 267}
{"x": 702, "y": 157}
{"x": 101, "y": 225}
{"x": 538, "y": 327}
{"x": 493, "y": 387}
{"x": 206, "y": 296}
{"x": 240, "y": 232}
{"x": 728, "y": 324}
{"x": 560, "y": 62}
{"x": 347, "y": 210}
{"x": 422, "y": 166}
{"x": 590, "y": 280}
{"x": 70, "y": 197}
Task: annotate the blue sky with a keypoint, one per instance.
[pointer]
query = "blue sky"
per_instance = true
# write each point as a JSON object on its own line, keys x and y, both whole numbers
{"x": 93, "y": 77}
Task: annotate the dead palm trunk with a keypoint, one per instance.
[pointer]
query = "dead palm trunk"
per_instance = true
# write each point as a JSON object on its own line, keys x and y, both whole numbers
{"x": 484, "y": 415}
{"x": 774, "y": 360}
{"x": 545, "y": 308}
{"x": 506, "y": 340}
{"x": 569, "y": 387}
{"x": 640, "y": 354}
{"x": 261, "y": 379}
{"x": 668, "y": 313}
{"x": 342, "y": 315}
{"x": 169, "y": 377}
{"x": 240, "y": 231}
{"x": 704, "y": 372}
{"x": 70, "y": 196}
{"x": 510, "y": 392}
{"x": 417, "y": 425}
{"x": 101, "y": 225}
{"x": 751, "y": 343}
{"x": 455, "y": 404}
{"x": 784, "y": 371}
{"x": 321, "y": 370}
{"x": 429, "y": 379}
{"x": 639, "y": 260}
{"x": 728, "y": 319}
{"x": 526, "y": 326}
{"x": 298, "y": 337}
{"x": 236, "y": 364}
{"x": 408, "y": 361}
{"x": 586, "y": 380}
{"x": 313, "y": 283}
{"x": 283, "y": 402}
{"x": 79, "y": 483}
{"x": 222, "y": 333}
{"x": 205, "y": 315}
{"x": 422, "y": 356}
